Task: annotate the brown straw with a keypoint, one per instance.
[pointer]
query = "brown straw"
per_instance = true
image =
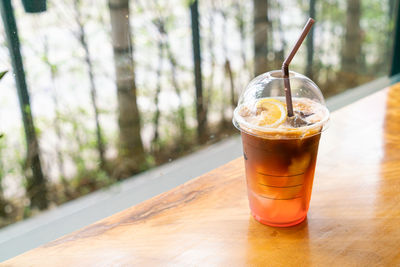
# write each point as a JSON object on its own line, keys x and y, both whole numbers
{"x": 285, "y": 66}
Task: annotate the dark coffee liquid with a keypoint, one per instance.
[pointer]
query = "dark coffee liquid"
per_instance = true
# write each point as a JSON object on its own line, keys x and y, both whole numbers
{"x": 280, "y": 175}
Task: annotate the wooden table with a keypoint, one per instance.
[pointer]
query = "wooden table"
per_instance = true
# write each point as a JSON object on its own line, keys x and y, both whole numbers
{"x": 354, "y": 217}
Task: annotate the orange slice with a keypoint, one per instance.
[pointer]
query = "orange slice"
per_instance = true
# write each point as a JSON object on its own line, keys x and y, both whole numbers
{"x": 272, "y": 112}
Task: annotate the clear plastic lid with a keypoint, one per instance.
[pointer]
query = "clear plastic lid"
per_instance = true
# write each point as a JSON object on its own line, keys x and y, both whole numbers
{"x": 305, "y": 93}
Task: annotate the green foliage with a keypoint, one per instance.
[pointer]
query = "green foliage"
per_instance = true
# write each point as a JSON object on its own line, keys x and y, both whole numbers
{"x": 87, "y": 181}
{"x": 188, "y": 3}
{"x": 2, "y": 74}
{"x": 332, "y": 11}
{"x": 27, "y": 212}
{"x": 53, "y": 67}
{"x": 2, "y": 167}
{"x": 27, "y": 109}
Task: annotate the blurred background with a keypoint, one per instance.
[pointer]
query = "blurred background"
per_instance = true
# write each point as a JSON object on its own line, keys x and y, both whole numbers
{"x": 111, "y": 88}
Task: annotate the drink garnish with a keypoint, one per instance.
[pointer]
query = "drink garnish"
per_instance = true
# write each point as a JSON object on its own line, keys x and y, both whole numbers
{"x": 271, "y": 112}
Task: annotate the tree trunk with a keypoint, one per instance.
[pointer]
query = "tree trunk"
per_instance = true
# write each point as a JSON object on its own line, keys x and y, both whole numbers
{"x": 36, "y": 182}
{"x": 260, "y": 36}
{"x": 227, "y": 66}
{"x": 181, "y": 109}
{"x": 223, "y": 121}
{"x": 93, "y": 90}
{"x": 200, "y": 111}
{"x": 164, "y": 44}
{"x": 3, "y": 201}
{"x": 310, "y": 43}
{"x": 210, "y": 45}
{"x": 156, "y": 120}
{"x": 351, "y": 50}
{"x": 388, "y": 54}
{"x": 228, "y": 71}
{"x": 242, "y": 33}
{"x": 56, "y": 121}
{"x": 241, "y": 24}
{"x": 79, "y": 140}
{"x": 395, "y": 68}
{"x": 131, "y": 151}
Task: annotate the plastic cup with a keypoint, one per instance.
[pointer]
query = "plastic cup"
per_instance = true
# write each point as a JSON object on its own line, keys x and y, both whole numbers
{"x": 280, "y": 161}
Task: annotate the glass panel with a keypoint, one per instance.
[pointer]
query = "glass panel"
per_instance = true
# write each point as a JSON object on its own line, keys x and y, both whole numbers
{"x": 113, "y": 91}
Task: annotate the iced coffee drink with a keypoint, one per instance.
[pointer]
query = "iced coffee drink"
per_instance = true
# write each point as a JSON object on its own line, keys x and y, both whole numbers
{"x": 280, "y": 152}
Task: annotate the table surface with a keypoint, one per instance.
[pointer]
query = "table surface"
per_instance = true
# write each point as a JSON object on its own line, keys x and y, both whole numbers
{"x": 354, "y": 216}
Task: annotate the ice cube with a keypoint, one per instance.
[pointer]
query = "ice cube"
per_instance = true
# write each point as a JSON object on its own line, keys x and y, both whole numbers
{"x": 299, "y": 164}
{"x": 244, "y": 111}
{"x": 296, "y": 121}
